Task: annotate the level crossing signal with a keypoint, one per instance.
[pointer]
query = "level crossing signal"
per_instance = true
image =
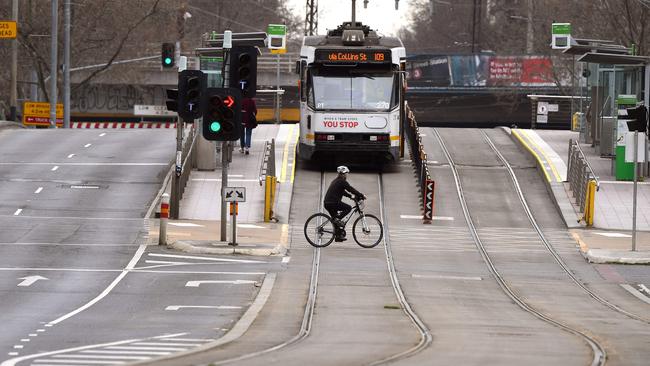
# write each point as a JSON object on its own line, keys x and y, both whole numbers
{"x": 172, "y": 100}
{"x": 191, "y": 84}
{"x": 222, "y": 114}
{"x": 167, "y": 55}
{"x": 243, "y": 69}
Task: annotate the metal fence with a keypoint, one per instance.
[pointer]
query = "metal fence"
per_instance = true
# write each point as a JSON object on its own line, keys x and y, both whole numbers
{"x": 579, "y": 174}
{"x": 419, "y": 159}
{"x": 269, "y": 179}
{"x": 180, "y": 179}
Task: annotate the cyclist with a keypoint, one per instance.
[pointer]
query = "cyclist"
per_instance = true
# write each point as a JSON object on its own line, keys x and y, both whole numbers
{"x": 333, "y": 200}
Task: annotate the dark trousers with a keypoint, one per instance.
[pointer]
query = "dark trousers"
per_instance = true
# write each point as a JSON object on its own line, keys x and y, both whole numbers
{"x": 338, "y": 209}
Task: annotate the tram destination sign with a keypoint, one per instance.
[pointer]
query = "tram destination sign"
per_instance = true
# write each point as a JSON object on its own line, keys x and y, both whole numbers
{"x": 352, "y": 55}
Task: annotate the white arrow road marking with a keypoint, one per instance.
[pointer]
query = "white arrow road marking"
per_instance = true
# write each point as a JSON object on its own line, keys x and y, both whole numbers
{"x": 220, "y": 307}
{"x": 644, "y": 288}
{"x": 204, "y": 258}
{"x": 29, "y": 280}
{"x": 235, "y": 282}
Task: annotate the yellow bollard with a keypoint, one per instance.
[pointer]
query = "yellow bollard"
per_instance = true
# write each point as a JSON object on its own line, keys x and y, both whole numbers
{"x": 590, "y": 197}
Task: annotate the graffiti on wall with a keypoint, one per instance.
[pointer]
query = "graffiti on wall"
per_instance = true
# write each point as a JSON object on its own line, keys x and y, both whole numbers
{"x": 112, "y": 99}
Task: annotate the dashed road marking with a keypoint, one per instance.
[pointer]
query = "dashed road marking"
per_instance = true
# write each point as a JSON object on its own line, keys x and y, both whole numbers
{"x": 18, "y": 211}
{"x": 54, "y": 168}
{"x": 286, "y": 259}
{"x": 102, "y": 134}
{"x": 39, "y": 190}
{"x": 87, "y": 145}
{"x": 70, "y": 156}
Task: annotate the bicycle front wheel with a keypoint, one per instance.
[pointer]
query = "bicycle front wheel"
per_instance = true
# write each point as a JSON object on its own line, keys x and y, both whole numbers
{"x": 319, "y": 230}
{"x": 367, "y": 230}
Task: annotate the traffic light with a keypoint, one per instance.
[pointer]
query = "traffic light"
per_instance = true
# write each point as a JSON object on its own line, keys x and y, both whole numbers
{"x": 191, "y": 84}
{"x": 638, "y": 118}
{"x": 243, "y": 69}
{"x": 172, "y": 103}
{"x": 222, "y": 114}
{"x": 167, "y": 55}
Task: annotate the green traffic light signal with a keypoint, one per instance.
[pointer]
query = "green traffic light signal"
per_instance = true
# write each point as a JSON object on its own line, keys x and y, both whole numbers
{"x": 215, "y": 126}
{"x": 168, "y": 61}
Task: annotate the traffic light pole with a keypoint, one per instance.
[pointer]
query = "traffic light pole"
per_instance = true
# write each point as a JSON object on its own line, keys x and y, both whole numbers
{"x": 224, "y": 156}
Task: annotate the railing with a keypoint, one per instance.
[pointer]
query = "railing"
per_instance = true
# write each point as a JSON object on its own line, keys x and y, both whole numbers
{"x": 270, "y": 180}
{"x": 270, "y": 62}
{"x": 180, "y": 179}
{"x": 419, "y": 159}
{"x": 580, "y": 176}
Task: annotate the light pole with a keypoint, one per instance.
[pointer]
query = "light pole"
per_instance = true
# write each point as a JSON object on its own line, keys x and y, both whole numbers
{"x": 53, "y": 61}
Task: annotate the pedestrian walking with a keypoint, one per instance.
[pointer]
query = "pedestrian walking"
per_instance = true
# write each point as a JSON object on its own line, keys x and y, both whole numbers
{"x": 249, "y": 122}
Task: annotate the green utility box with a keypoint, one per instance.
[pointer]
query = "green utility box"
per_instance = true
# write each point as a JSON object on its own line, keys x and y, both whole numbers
{"x": 624, "y": 171}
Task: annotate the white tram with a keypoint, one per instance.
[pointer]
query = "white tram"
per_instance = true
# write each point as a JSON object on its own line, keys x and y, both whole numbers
{"x": 350, "y": 94}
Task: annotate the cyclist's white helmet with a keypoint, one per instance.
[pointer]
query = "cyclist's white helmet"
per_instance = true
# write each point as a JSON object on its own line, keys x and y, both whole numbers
{"x": 342, "y": 169}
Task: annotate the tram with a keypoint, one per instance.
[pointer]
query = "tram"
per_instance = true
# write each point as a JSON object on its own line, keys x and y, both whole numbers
{"x": 351, "y": 94}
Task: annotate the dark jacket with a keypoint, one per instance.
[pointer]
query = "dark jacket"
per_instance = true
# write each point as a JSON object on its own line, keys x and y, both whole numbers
{"x": 339, "y": 188}
{"x": 248, "y": 107}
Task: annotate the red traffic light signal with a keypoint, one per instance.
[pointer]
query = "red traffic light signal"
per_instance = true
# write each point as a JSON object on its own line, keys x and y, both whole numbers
{"x": 222, "y": 114}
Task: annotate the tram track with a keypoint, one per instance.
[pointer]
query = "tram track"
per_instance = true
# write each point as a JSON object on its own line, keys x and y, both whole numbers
{"x": 598, "y": 351}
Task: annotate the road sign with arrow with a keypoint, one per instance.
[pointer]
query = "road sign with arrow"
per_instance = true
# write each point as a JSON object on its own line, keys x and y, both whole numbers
{"x": 234, "y": 194}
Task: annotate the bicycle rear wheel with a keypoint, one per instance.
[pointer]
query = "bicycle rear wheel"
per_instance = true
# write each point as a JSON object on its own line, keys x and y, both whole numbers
{"x": 367, "y": 230}
{"x": 319, "y": 230}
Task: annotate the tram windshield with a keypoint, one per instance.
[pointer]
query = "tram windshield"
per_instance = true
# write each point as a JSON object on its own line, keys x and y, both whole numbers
{"x": 367, "y": 92}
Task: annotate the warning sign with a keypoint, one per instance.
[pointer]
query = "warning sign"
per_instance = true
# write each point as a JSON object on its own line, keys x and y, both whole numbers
{"x": 8, "y": 29}
{"x": 38, "y": 114}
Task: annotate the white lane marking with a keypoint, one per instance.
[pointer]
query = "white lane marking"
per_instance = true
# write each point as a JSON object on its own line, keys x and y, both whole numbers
{"x": 218, "y": 307}
{"x": 188, "y": 339}
{"x": 644, "y": 288}
{"x": 33, "y": 335}
{"x": 83, "y": 187}
{"x": 286, "y": 259}
{"x": 235, "y": 175}
{"x": 636, "y": 293}
{"x": 204, "y": 258}
{"x": 116, "y": 352}
{"x": 166, "y": 262}
{"x": 419, "y": 217}
{"x": 25, "y": 340}
{"x": 129, "y": 266}
{"x": 18, "y": 346}
{"x": 70, "y": 156}
{"x": 166, "y": 336}
{"x": 614, "y": 235}
{"x": 54, "y": 168}
{"x": 69, "y": 362}
{"x": 40, "y": 330}
{"x": 166, "y": 344}
{"x": 29, "y": 280}
{"x": 250, "y": 226}
{"x": 102, "y": 134}
{"x": 219, "y": 180}
{"x": 87, "y": 145}
{"x": 134, "y": 270}
{"x": 104, "y": 357}
{"x": 445, "y": 277}
{"x": 18, "y": 211}
{"x": 185, "y": 224}
{"x": 132, "y": 348}
{"x": 235, "y": 282}
{"x": 13, "y": 353}
{"x": 39, "y": 190}
{"x": 78, "y": 218}
{"x": 89, "y": 164}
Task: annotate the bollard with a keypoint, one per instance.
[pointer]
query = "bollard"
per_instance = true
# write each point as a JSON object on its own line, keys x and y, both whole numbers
{"x": 164, "y": 216}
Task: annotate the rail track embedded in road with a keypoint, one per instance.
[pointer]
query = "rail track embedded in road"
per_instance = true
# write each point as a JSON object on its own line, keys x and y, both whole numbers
{"x": 598, "y": 351}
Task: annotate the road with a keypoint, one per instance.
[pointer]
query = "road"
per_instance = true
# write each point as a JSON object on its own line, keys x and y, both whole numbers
{"x": 74, "y": 268}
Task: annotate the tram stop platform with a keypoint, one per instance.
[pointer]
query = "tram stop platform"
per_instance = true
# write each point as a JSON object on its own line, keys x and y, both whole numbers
{"x": 609, "y": 240}
{"x": 198, "y": 229}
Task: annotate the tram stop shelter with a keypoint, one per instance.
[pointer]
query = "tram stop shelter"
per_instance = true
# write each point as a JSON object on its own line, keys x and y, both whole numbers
{"x": 615, "y": 80}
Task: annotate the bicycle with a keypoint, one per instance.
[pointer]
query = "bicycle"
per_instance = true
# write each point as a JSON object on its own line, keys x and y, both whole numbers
{"x": 367, "y": 229}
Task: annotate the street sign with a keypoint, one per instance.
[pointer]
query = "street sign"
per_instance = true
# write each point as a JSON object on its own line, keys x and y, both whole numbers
{"x": 234, "y": 194}
{"x": 277, "y": 38}
{"x": 151, "y": 110}
{"x": 8, "y": 29}
{"x": 561, "y": 36}
{"x": 38, "y": 114}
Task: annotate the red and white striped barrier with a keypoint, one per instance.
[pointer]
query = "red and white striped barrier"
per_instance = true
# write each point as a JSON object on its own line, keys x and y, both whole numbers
{"x": 164, "y": 216}
{"x": 121, "y": 125}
